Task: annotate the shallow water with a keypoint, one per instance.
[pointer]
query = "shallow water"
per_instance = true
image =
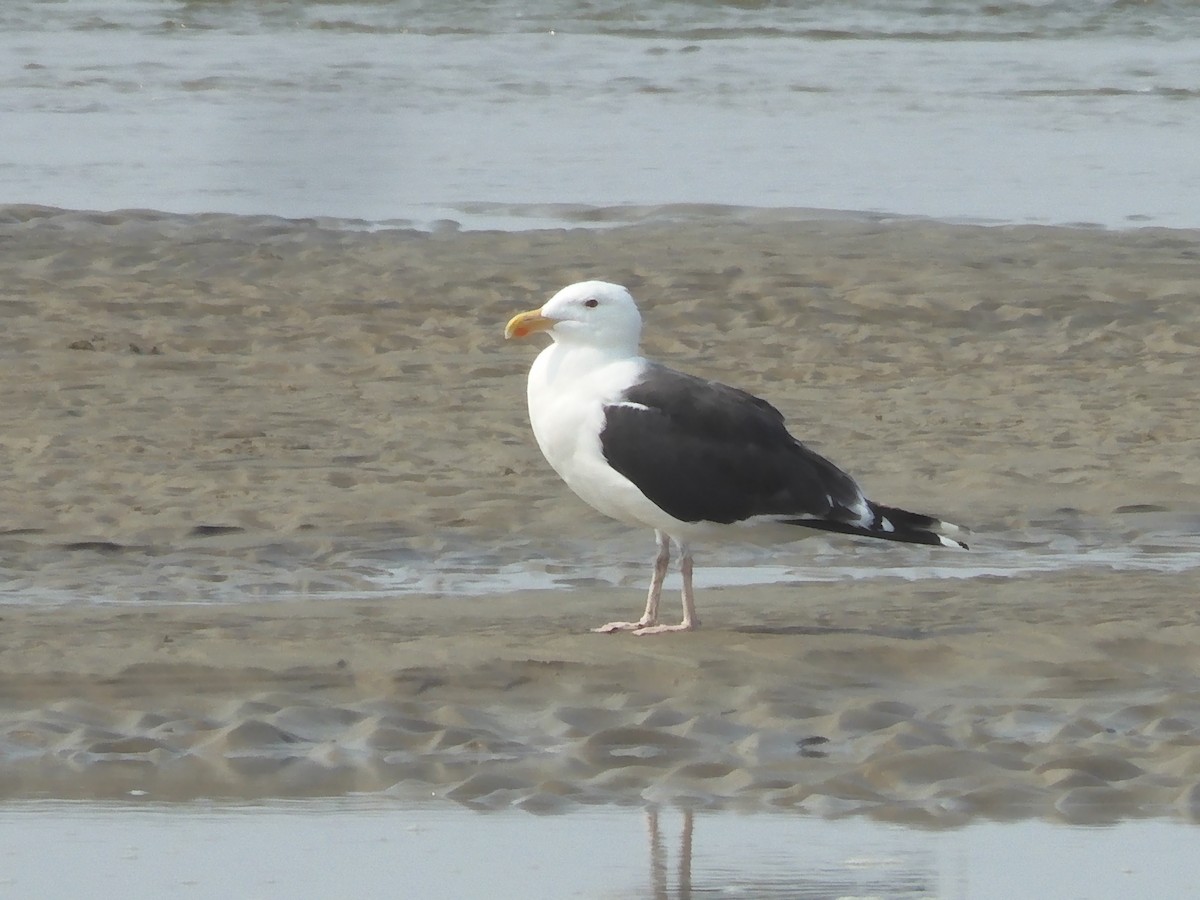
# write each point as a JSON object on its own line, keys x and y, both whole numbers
{"x": 232, "y": 568}
{"x": 507, "y": 114}
{"x": 374, "y": 849}
{"x": 1166, "y": 546}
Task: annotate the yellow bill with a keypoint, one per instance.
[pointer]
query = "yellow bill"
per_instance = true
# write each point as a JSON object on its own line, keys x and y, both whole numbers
{"x": 527, "y": 323}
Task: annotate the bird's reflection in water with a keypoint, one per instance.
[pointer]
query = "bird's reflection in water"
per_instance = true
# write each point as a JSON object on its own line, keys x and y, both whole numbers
{"x": 658, "y": 858}
{"x": 783, "y": 866}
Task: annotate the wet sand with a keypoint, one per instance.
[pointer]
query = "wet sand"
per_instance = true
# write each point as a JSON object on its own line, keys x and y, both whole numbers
{"x": 1068, "y": 696}
{"x": 214, "y": 398}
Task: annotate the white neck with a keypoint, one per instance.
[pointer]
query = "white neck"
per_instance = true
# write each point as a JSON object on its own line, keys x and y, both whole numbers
{"x": 572, "y": 361}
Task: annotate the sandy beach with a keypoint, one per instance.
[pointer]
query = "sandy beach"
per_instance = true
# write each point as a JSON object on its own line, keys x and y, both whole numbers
{"x": 247, "y": 403}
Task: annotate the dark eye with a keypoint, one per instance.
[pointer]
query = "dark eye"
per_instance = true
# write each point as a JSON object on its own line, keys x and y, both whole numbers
{"x": 591, "y": 303}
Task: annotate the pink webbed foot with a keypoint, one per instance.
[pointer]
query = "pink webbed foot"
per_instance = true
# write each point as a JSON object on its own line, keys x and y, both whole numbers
{"x": 666, "y": 629}
{"x": 614, "y": 627}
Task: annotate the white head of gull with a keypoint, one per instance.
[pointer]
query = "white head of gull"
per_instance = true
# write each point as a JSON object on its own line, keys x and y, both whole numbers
{"x": 690, "y": 458}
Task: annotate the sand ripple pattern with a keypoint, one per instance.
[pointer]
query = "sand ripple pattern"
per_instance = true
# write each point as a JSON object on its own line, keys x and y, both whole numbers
{"x": 549, "y": 736}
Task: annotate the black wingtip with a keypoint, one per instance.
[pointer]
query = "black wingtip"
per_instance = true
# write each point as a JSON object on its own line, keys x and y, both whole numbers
{"x": 895, "y": 529}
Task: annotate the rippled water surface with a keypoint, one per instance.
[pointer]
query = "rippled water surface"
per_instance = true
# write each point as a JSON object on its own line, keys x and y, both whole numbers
{"x": 516, "y": 114}
{"x": 302, "y": 850}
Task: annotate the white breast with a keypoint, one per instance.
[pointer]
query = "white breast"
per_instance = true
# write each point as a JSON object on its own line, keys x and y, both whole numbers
{"x": 568, "y": 390}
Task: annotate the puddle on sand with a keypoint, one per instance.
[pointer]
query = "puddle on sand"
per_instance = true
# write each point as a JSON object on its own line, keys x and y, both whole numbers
{"x": 217, "y": 568}
{"x": 370, "y": 848}
{"x": 1007, "y": 555}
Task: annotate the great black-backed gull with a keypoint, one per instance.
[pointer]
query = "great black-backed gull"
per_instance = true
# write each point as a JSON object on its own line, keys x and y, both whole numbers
{"x": 690, "y": 458}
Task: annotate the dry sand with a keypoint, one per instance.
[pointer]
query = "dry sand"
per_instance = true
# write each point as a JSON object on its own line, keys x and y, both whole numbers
{"x": 249, "y": 402}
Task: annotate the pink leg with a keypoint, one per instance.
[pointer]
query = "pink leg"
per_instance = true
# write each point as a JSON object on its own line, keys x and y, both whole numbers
{"x": 690, "y": 620}
{"x": 650, "y": 617}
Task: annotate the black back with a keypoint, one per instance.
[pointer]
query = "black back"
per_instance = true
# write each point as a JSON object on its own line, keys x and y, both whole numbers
{"x": 704, "y": 451}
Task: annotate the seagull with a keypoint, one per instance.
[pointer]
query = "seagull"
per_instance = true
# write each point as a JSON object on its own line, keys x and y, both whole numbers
{"x": 690, "y": 458}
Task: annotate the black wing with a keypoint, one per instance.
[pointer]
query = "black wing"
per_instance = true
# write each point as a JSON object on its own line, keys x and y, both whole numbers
{"x": 703, "y": 451}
